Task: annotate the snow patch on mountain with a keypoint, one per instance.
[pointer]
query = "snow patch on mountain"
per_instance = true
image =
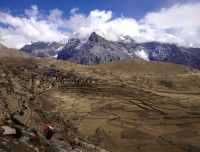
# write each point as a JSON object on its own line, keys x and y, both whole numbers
{"x": 142, "y": 54}
{"x": 57, "y": 51}
{"x": 82, "y": 43}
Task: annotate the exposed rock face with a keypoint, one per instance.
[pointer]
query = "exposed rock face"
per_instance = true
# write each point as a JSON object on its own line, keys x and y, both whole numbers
{"x": 42, "y": 49}
{"x": 95, "y": 50}
{"x": 92, "y": 50}
{"x": 155, "y": 51}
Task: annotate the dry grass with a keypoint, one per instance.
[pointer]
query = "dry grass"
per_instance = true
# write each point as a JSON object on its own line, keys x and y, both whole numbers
{"x": 143, "y": 106}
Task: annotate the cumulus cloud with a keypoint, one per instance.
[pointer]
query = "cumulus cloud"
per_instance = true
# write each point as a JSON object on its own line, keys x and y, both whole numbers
{"x": 74, "y": 10}
{"x": 19, "y": 31}
{"x": 178, "y": 24}
{"x": 180, "y": 21}
{"x": 55, "y": 15}
{"x": 33, "y": 12}
{"x": 102, "y": 23}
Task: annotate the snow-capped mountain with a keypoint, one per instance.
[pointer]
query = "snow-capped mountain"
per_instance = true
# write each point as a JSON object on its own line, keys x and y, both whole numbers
{"x": 95, "y": 50}
{"x": 92, "y": 50}
{"x": 42, "y": 49}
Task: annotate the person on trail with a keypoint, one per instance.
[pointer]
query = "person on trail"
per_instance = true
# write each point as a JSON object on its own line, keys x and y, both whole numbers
{"x": 48, "y": 131}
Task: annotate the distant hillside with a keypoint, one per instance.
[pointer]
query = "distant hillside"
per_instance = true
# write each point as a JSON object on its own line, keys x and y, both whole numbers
{"x": 144, "y": 67}
{"x": 9, "y": 52}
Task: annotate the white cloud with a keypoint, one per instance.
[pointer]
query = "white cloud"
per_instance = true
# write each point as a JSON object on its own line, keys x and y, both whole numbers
{"x": 21, "y": 31}
{"x": 178, "y": 24}
{"x": 102, "y": 23}
{"x": 178, "y": 16}
{"x": 33, "y": 12}
{"x": 55, "y": 15}
{"x": 74, "y": 10}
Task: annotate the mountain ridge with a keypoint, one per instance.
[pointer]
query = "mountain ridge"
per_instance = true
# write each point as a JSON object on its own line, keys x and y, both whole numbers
{"x": 42, "y": 49}
{"x": 95, "y": 49}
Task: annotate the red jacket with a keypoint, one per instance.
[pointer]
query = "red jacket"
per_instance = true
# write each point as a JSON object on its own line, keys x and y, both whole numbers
{"x": 48, "y": 127}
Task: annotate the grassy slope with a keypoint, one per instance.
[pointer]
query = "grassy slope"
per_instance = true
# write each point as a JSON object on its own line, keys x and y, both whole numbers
{"x": 9, "y": 52}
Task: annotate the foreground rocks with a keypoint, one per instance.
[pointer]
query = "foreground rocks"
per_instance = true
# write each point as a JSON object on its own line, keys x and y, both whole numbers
{"x": 21, "y": 125}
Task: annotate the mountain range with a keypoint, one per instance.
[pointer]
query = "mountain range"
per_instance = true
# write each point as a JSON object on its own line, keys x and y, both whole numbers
{"x": 95, "y": 49}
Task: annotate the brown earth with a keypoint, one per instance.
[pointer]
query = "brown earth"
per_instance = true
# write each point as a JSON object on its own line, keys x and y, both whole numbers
{"x": 121, "y": 106}
{"x": 10, "y": 52}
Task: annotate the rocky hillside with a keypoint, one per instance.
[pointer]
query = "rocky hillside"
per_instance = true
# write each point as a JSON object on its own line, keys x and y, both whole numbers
{"x": 92, "y": 50}
{"x": 23, "y": 115}
{"x": 118, "y": 106}
{"x": 171, "y": 53}
{"x": 8, "y": 52}
{"x": 42, "y": 49}
{"x": 95, "y": 50}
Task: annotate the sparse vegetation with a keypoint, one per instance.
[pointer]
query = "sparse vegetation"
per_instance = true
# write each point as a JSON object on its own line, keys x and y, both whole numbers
{"x": 143, "y": 108}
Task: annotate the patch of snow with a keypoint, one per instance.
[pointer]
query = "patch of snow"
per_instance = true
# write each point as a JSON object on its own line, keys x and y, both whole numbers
{"x": 142, "y": 54}
{"x": 59, "y": 49}
{"x": 55, "y": 56}
{"x": 82, "y": 43}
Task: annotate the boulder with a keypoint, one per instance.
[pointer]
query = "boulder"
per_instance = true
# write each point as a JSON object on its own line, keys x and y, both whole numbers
{"x": 8, "y": 130}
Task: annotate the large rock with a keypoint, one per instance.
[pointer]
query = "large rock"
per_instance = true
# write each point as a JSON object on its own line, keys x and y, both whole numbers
{"x": 8, "y": 130}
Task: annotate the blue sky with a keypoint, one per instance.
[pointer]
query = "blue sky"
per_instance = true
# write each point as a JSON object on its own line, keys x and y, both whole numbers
{"x": 171, "y": 21}
{"x": 129, "y": 8}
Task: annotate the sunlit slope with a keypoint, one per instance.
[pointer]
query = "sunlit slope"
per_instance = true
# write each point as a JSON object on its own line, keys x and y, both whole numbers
{"x": 144, "y": 67}
{"x": 8, "y": 52}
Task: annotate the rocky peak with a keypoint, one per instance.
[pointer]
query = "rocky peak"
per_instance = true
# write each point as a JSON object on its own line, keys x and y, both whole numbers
{"x": 94, "y": 37}
{"x": 74, "y": 41}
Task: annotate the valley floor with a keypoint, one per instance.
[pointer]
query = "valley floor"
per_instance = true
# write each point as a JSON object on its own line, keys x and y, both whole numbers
{"x": 128, "y": 119}
{"x": 99, "y": 108}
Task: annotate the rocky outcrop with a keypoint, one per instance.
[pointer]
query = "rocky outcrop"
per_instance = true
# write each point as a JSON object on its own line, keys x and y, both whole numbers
{"x": 19, "y": 88}
{"x": 42, "y": 49}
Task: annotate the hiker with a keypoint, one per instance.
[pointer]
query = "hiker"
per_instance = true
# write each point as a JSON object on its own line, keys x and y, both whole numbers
{"x": 48, "y": 131}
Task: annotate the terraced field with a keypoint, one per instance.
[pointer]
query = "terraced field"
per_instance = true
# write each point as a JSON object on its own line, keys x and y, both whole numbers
{"x": 128, "y": 119}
